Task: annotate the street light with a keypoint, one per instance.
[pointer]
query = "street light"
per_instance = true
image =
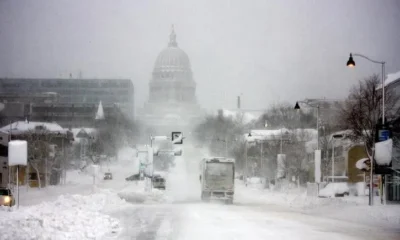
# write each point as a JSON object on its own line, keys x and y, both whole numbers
{"x": 351, "y": 64}
{"x": 297, "y": 107}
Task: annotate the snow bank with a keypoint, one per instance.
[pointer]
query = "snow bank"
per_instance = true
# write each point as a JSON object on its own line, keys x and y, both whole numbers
{"x": 141, "y": 196}
{"x": 69, "y": 217}
{"x": 360, "y": 164}
{"x": 349, "y": 208}
{"x": 332, "y": 189}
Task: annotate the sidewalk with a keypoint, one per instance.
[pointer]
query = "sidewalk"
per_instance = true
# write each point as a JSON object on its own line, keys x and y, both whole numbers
{"x": 349, "y": 208}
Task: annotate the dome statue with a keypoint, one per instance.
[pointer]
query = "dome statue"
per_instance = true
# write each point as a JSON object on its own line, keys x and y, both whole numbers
{"x": 172, "y": 58}
{"x": 172, "y": 100}
{"x": 172, "y": 78}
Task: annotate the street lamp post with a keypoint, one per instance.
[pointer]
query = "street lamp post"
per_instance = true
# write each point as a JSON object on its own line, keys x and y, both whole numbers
{"x": 317, "y": 154}
{"x": 297, "y": 107}
{"x": 351, "y": 63}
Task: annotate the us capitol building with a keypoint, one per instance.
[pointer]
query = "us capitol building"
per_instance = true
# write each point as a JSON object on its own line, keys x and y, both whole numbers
{"x": 172, "y": 104}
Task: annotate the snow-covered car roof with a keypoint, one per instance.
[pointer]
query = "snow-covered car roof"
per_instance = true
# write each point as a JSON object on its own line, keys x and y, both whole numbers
{"x": 219, "y": 159}
{"x": 334, "y": 188}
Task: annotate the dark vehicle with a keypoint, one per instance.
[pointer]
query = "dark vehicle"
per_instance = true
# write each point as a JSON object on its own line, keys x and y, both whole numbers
{"x": 108, "y": 176}
{"x": 6, "y": 197}
{"x": 135, "y": 177}
{"x": 158, "y": 182}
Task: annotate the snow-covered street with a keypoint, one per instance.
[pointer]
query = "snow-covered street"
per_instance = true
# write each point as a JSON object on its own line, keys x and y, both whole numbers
{"x": 184, "y": 220}
{"x": 117, "y": 209}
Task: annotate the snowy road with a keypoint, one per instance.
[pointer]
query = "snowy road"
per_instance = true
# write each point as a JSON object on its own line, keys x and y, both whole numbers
{"x": 184, "y": 217}
{"x": 207, "y": 221}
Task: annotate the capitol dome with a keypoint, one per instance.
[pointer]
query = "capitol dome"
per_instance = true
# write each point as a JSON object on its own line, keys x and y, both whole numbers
{"x": 172, "y": 58}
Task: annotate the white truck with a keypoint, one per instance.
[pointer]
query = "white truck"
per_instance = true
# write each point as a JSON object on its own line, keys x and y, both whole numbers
{"x": 217, "y": 179}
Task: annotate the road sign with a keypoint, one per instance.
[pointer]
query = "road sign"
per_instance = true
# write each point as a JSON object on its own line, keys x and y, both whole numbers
{"x": 383, "y": 134}
{"x": 177, "y": 137}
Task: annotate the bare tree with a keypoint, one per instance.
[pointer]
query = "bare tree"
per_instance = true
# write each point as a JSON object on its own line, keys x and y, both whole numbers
{"x": 296, "y": 153}
{"x": 219, "y": 132}
{"x": 39, "y": 148}
{"x": 284, "y": 115}
{"x": 363, "y": 110}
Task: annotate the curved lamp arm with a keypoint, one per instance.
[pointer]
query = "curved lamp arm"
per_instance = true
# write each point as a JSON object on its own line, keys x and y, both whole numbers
{"x": 369, "y": 59}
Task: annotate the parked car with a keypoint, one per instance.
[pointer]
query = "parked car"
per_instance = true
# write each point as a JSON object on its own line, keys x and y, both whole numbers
{"x": 6, "y": 197}
{"x": 335, "y": 189}
{"x": 134, "y": 177}
{"x": 108, "y": 176}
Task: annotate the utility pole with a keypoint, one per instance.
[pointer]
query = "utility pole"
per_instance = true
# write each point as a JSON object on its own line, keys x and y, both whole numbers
{"x": 261, "y": 158}
{"x": 281, "y": 141}
{"x": 246, "y": 168}
{"x": 333, "y": 160}
{"x": 226, "y": 146}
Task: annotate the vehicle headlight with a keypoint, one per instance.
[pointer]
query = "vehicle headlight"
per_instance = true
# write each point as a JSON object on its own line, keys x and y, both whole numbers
{"x": 7, "y": 199}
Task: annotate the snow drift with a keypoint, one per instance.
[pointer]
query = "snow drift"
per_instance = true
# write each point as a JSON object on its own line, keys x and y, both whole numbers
{"x": 69, "y": 217}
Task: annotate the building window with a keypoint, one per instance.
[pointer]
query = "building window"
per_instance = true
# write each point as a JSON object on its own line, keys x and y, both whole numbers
{"x": 3, "y": 151}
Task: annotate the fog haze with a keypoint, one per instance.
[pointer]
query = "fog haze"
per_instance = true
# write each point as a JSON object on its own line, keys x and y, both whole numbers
{"x": 267, "y": 51}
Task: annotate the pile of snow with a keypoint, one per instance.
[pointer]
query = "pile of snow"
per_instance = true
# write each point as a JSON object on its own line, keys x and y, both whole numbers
{"x": 360, "y": 164}
{"x": 332, "y": 189}
{"x": 69, "y": 217}
{"x": 140, "y": 195}
{"x": 383, "y": 152}
{"x": 254, "y": 180}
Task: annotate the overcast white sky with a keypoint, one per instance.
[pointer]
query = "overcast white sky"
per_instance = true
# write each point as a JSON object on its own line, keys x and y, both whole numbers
{"x": 268, "y": 51}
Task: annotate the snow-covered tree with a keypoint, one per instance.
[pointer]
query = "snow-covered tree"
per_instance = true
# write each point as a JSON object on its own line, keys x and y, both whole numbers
{"x": 219, "y": 133}
{"x": 363, "y": 110}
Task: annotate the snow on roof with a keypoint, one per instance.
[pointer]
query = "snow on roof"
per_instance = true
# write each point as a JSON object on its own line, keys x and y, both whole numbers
{"x": 391, "y": 77}
{"x": 269, "y": 134}
{"x": 90, "y": 131}
{"x": 100, "y": 112}
{"x": 242, "y": 115}
{"x": 160, "y": 173}
{"x": 24, "y": 126}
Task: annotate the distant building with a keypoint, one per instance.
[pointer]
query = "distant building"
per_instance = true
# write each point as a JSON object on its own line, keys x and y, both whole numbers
{"x": 52, "y": 132}
{"x": 172, "y": 104}
{"x": 393, "y": 192}
{"x": 69, "y": 102}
